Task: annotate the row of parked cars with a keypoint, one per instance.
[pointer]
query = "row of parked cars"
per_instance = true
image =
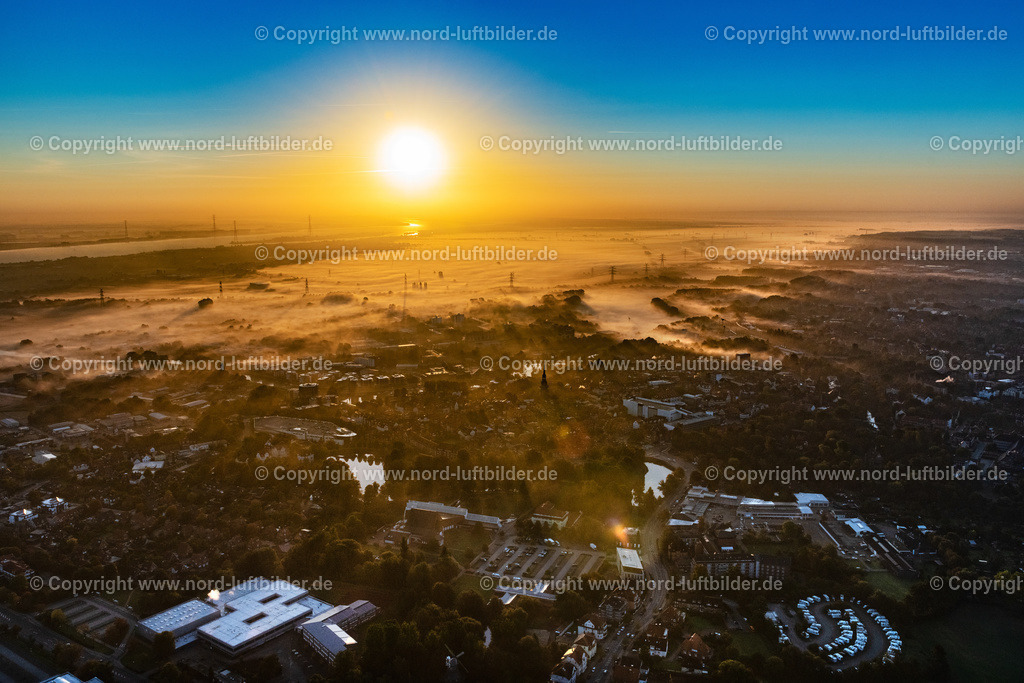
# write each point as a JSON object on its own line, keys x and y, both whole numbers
{"x": 774, "y": 618}
{"x": 813, "y": 627}
{"x": 853, "y": 634}
{"x": 895, "y": 642}
{"x": 852, "y": 638}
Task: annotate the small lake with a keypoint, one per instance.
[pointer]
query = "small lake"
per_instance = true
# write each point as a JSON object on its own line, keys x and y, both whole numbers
{"x": 655, "y": 475}
{"x": 366, "y": 471}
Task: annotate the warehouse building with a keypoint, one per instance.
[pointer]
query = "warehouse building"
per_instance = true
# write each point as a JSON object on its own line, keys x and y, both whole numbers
{"x": 180, "y": 621}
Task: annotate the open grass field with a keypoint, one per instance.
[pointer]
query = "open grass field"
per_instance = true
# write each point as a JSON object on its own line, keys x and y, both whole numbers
{"x": 469, "y": 582}
{"x": 699, "y": 623}
{"x": 749, "y": 643}
{"x": 896, "y": 589}
{"x": 982, "y": 643}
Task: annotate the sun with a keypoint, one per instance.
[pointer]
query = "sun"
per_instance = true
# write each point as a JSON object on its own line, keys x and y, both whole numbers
{"x": 412, "y": 158}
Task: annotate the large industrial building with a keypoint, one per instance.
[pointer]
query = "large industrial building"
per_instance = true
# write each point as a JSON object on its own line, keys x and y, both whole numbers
{"x": 817, "y": 502}
{"x": 180, "y": 621}
{"x": 806, "y": 506}
{"x": 769, "y": 510}
{"x": 258, "y": 611}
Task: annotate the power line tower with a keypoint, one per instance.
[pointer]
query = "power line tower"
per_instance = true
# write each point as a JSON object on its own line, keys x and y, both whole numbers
{"x": 511, "y": 280}
{"x": 611, "y": 271}
{"x": 215, "y": 222}
{"x": 126, "y": 228}
{"x": 663, "y": 260}
{"x": 647, "y": 269}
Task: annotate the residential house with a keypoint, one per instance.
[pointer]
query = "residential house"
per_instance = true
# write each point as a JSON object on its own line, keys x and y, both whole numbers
{"x": 595, "y": 625}
{"x": 695, "y": 651}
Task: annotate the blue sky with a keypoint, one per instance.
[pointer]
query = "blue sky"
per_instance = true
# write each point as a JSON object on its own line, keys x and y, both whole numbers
{"x": 98, "y": 68}
{"x": 640, "y": 55}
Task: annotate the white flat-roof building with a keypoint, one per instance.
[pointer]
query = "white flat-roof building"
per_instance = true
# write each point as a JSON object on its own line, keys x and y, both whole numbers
{"x": 858, "y": 527}
{"x": 43, "y": 457}
{"x": 701, "y": 494}
{"x": 683, "y": 520}
{"x": 757, "y": 509}
{"x": 180, "y": 621}
{"x": 147, "y": 463}
{"x": 650, "y": 407}
{"x": 630, "y": 566}
{"x": 817, "y": 502}
{"x": 253, "y": 613}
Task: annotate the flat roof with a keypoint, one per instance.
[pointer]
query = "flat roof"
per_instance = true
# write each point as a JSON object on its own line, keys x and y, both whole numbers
{"x": 343, "y": 614}
{"x": 858, "y": 525}
{"x": 332, "y": 637}
{"x": 546, "y": 509}
{"x": 808, "y": 498}
{"x": 655, "y": 402}
{"x": 450, "y": 510}
{"x": 316, "y": 606}
{"x": 629, "y": 558}
{"x": 180, "y": 616}
{"x": 251, "y": 586}
{"x": 435, "y": 507}
{"x": 254, "y": 609}
{"x": 780, "y": 504}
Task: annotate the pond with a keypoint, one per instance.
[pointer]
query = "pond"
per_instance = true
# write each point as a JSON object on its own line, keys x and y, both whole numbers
{"x": 655, "y": 475}
{"x": 366, "y": 471}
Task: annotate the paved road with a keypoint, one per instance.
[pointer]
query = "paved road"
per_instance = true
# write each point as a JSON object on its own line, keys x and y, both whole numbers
{"x": 655, "y": 598}
{"x": 47, "y": 639}
{"x": 11, "y": 664}
{"x": 661, "y": 455}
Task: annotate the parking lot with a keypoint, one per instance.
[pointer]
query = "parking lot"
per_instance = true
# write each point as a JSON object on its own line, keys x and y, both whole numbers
{"x": 539, "y": 562}
{"x": 89, "y": 615}
{"x": 876, "y": 640}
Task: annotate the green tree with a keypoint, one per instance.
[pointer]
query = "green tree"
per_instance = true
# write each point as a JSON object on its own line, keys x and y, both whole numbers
{"x": 163, "y": 645}
{"x": 733, "y": 671}
{"x": 570, "y": 605}
{"x": 470, "y": 604}
{"x": 168, "y": 673}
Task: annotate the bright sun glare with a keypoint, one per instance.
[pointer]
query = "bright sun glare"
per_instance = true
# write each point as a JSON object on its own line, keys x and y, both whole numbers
{"x": 412, "y": 157}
